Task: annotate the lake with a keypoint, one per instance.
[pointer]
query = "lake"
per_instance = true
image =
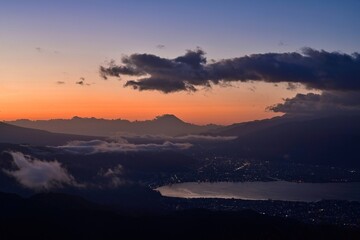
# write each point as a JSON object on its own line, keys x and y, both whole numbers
{"x": 275, "y": 190}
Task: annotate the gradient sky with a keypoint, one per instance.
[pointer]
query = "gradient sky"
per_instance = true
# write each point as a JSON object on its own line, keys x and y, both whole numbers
{"x": 46, "y": 42}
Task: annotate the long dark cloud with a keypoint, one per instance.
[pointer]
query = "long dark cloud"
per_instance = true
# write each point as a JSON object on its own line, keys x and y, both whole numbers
{"x": 315, "y": 69}
{"x": 329, "y": 102}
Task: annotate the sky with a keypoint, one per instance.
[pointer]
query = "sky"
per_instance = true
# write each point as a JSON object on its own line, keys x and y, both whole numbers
{"x": 51, "y": 52}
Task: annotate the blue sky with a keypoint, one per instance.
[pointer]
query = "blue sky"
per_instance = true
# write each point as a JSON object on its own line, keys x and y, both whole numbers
{"x": 222, "y": 28}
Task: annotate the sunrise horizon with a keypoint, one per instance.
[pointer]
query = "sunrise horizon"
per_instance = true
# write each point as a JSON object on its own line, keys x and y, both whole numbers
{"x": 176, "y": 120}
{"x": 76, "y": 64}
{"x": 184, "y": 119}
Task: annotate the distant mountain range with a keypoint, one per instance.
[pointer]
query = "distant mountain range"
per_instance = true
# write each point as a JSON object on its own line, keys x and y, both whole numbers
{"x": 166, "y": 124}
{"x": 331, "y": 140}
{"x": 21, "y": 135}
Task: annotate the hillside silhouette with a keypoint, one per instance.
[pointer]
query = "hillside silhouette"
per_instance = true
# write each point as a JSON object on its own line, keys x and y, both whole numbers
{"x": 22, "y": 135}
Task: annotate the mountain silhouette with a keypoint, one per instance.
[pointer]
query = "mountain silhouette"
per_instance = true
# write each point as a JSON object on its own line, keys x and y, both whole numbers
{"x": 22, "y": 135}
{"x": 167, "y": 124}
{"x": 329, "y": 140}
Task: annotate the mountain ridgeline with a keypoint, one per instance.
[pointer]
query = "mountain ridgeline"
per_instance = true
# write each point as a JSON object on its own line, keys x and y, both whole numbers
{"x": 166, "y": 125}
{"x": 328, "y": 140}
{"x": 22, "y": 135}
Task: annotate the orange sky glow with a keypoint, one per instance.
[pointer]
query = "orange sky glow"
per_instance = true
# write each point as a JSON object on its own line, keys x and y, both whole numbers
{"x": 45, "y": 99}
{"x": 32, "y": 91}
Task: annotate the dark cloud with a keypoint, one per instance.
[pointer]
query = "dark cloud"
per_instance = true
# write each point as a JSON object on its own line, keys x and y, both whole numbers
{"x": 281, "y": 44}
{"x": 60, "y": 82}
{"x": 292, "y": 86}
{"x": 328, "y": 102}
{"x": 160, "y": 46}
{"x": 82, "y": 82}
{"x": 315, "y": 69}
{"x": 121, "y": 145}
{"x": 46, "y": 51}
{"x": 39, "y": 175}
{"x": 113, "y": 70}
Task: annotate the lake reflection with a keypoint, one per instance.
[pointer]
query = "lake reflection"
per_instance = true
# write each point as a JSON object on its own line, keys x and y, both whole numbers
{"x": 276, "y": 190}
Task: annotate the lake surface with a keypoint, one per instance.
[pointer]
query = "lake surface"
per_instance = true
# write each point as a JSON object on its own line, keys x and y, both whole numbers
{"x": 276, "y": 190}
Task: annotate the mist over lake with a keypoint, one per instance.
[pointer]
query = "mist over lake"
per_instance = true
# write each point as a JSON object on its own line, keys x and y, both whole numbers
{"x": 276, "y": 190}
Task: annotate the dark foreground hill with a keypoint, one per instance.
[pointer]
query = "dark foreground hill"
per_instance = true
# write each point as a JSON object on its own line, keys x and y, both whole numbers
{"x": 60, "y": 216}
{"x": 21, "y": 135}
{"x": 166, "y": 124}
